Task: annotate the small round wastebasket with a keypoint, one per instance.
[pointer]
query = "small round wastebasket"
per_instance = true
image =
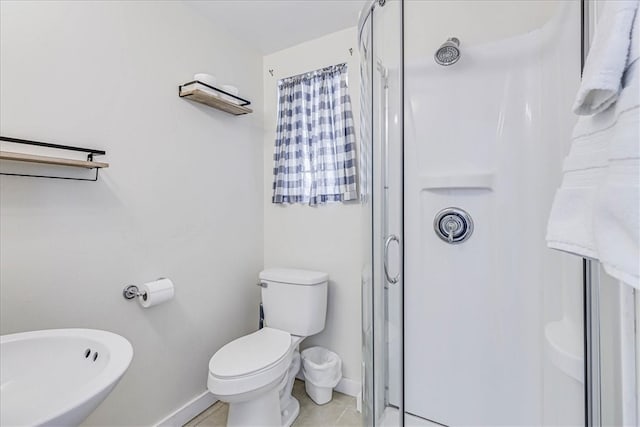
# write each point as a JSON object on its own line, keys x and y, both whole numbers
{"x": 322, "y": 371}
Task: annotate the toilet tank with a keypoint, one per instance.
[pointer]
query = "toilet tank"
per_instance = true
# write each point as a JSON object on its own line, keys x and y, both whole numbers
{"x": 294, "y": 301}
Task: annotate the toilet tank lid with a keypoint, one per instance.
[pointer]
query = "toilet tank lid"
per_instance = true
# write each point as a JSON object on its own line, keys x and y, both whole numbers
{"x": 297, "y": 277}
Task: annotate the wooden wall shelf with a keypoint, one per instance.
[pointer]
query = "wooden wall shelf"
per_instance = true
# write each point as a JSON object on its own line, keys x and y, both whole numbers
{"x": 31, "y": 158}
{"x": 51, "y": 160}
{"x": 212, "y": 96}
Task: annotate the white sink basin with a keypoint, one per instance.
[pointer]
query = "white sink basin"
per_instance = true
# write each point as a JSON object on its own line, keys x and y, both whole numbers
{"x": 57, "y": 377}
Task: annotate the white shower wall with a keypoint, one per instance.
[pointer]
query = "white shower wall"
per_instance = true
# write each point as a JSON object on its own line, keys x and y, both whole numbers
{"x": 488, "y": 135}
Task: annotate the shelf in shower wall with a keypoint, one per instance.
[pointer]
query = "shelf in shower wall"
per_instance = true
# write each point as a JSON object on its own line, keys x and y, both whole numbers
{"x": 479, "y": 180}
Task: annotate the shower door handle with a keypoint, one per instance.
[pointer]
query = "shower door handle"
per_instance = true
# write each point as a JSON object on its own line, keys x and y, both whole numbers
{"x": 387, "y": 243}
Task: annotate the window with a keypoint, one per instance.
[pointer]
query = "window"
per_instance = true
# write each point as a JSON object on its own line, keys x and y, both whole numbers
{"x": 314, "y": 156}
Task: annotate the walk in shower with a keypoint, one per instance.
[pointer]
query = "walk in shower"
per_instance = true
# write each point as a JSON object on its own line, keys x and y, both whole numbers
{"x": 468, "y": 317}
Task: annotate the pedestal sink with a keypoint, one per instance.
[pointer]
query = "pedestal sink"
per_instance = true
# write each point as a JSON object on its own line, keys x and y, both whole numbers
{"x": 57, "y": 377}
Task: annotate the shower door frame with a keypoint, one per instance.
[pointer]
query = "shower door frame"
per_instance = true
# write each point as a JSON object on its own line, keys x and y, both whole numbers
{"x": 591, "y": 302}
{"x": 381, "y": 234}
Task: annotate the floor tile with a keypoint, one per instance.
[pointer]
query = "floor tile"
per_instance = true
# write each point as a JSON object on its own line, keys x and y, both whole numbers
{"x": 214, "y": 416}
{"x": 340, "y": 411}
{"x": 217, "y": 419}
{"x": 350, "y": 418}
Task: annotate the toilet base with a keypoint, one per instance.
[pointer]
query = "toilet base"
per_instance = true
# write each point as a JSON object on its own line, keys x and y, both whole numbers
{"x": 290, "y": 413}
{"x": 261, "y": 411}
{"x": 289, "y": 405}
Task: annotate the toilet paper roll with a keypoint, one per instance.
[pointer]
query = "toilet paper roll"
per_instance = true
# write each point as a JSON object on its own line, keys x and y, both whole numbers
{"x": 156, "y": 292}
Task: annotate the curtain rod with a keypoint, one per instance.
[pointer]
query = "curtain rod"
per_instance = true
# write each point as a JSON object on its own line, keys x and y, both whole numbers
{"x": 271, "y": 70}
{"x": 313, "y": 72}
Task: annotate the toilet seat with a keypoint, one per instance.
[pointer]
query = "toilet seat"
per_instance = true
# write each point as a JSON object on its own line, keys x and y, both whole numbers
{"x": 251, "y": 353}
{"x": 250, "y": 362}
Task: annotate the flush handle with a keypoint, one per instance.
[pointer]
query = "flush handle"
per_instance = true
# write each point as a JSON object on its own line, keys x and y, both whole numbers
{"x": 262, "y": 284}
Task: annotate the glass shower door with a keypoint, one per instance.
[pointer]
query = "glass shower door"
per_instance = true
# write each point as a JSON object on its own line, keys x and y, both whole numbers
{"x": 381, "y": 180}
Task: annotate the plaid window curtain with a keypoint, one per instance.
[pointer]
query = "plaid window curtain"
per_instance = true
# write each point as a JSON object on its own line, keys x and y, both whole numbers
{"x": 314, "y": 156}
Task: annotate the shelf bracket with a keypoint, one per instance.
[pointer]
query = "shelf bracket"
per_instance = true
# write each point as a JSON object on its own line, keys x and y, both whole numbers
{"x": 95, "y": 178}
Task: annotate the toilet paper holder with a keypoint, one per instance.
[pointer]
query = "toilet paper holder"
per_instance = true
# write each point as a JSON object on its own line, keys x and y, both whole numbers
{"x": 132, "y": 291}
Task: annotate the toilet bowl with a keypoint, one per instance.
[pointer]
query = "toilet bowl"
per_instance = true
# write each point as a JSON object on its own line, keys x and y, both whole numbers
{"x": 255, "y": 373}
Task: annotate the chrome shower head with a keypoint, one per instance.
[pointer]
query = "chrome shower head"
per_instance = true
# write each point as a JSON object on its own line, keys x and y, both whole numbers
{"x": 448, "y": 53}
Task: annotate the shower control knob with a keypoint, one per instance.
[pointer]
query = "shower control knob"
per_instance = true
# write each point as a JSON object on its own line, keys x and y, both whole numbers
{"x": 453, "y": 225}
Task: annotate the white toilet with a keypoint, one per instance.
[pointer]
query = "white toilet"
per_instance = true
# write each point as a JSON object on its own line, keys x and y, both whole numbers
{"x": 255, "y": 373}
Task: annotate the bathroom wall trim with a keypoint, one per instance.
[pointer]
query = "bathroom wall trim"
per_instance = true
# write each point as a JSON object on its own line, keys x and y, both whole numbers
{"x": 345, "y": 386}
{"x": 349, "y": 387}
{"x": 200, "y": 403}
{"x": 188, "y": 411}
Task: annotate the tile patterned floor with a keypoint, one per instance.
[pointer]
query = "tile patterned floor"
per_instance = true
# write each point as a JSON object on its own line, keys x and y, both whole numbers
{"x": 340, "y": 412}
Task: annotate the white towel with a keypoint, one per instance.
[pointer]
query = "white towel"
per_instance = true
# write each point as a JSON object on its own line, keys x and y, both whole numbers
{"x": 596, "y": 210}
{"x": 608, "y": 58}
{"x": 616, "y": 215}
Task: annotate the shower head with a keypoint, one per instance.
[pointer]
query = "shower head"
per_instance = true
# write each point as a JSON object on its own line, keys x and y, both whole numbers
{"x": 448, "y": 53}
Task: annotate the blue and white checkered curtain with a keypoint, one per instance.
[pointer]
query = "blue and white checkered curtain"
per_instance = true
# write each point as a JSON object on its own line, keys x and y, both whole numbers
{"x": 314, "y": 156}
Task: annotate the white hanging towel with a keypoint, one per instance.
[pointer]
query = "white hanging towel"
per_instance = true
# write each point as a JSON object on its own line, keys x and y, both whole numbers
{"x": 596, "y": 210}
{"x": 607, "y": 60}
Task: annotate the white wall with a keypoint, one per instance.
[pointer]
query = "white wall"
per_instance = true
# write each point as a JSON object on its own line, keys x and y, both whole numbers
{"x": 182, "y": 198}
{"x": 472, "y": 22}
{"x": 325, "y": 238}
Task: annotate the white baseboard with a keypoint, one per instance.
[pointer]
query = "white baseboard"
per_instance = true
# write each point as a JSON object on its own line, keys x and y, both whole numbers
{"x": 198, "y": 404}
{"x": 349, "y": 387}
{"x": 188, "y": 411}
{"x": 345, "y": 386}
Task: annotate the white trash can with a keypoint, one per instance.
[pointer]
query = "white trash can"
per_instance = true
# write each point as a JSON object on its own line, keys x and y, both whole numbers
{"x": 322, "y": 371}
